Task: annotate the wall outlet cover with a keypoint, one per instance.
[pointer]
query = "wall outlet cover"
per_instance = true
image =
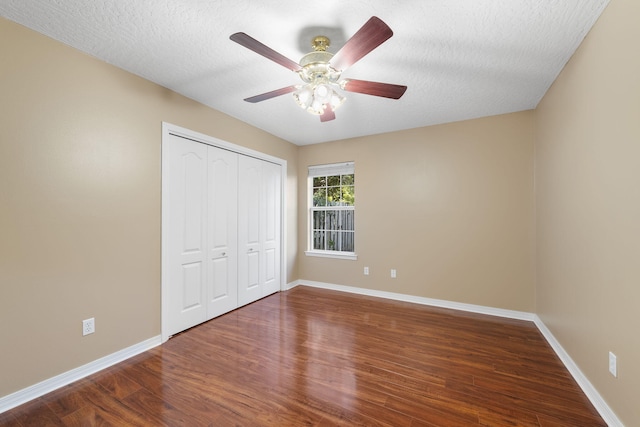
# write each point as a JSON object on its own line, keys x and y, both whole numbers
{"x": 88, "y": 326}
{"x": 613, "y": 364}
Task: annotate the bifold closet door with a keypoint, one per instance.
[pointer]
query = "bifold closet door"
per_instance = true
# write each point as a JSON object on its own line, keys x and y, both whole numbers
{"x": 271, "y": 223}
{"x": 222, "y": 232}
{"x": 202, "y": 240}
{"x": 223, "y": 215}
{"x": 187, "y": 215}
{"x": 259, "y": 192}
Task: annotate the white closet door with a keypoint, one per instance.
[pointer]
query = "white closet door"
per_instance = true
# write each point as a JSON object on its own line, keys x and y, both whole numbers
{"x": 249, "y": 242}
{"x": 221, "y": 231}
{"x": 270, "y": 230}
{"x": 222, "y": 226}
{"x": 187, "y": 178}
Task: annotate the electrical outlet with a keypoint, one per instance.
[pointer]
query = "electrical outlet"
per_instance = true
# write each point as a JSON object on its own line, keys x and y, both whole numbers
{"x": 366, "y": 271}
{"x": 88, "y": 326}
{"x": 613, "y": 364}
{"x": 393, "y": 273}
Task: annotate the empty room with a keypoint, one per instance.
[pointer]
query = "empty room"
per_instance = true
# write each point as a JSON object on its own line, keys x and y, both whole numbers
{"x": 348, "y": 213}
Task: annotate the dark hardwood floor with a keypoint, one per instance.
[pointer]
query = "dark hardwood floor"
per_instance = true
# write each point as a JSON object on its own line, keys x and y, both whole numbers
{"x": 312, "y": 357}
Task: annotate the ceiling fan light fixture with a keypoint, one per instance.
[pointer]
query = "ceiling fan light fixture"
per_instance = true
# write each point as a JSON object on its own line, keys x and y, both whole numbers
{"x": 336, "y": 100}
{"x": 322, "y": 92}
{"x": 304, "y": 96}
{"x": 317, "y": 107}
{"x": 315, "y": 97}
{"x": 320, "y": 80}
{"x": 321, "y": 70}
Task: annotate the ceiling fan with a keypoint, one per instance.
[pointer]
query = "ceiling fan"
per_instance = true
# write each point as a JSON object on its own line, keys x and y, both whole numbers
{"x": 320, "y": 70}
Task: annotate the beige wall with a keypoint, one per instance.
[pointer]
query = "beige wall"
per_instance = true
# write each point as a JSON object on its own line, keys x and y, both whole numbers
{"x": 80, "y": 203}
{"x": 588, "y": 203}
{"x": 449, "y": 207}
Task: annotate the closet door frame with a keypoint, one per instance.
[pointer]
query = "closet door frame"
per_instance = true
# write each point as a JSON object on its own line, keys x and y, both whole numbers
{"x": 169, "y": 129}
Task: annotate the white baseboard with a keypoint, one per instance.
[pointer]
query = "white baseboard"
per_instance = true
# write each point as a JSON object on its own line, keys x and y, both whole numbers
{"x": 22, "y": 396}
{"x": 592, "y": 394}
{"x": 589, "y": 390}
{"x": 511, "y": 314}
{"x": 291, "y": 285}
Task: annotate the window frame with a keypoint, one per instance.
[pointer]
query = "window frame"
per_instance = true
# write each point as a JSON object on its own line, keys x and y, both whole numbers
{"x": 345, "y": 168}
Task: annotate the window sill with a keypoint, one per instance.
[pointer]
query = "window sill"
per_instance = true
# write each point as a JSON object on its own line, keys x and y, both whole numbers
{"x": 328, "y": 254}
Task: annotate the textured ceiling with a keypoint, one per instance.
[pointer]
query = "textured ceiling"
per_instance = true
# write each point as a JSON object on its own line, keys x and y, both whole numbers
{"x": 461, "y": 59}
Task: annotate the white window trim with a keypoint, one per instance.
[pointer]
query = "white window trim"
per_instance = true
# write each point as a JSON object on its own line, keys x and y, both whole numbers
{"x": 332, "y": 254}
{"x": 345, "y": 168}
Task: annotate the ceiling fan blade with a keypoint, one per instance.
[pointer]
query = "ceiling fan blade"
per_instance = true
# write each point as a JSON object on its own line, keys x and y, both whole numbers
{"x": 264, "y": 50}
{"x": 328, "y": 114}
{"x": 272, "y": 94}
{"x": 385, "y": 90}
{"x": 371, "y": 35}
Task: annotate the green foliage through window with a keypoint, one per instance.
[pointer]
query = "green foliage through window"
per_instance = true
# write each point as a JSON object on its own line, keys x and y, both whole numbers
{"x": 334, "y": 190}
{"x": 332, "y": 213}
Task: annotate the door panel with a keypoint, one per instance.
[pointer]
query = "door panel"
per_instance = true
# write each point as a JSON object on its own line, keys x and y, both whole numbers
{"x": 249, "y": 248}
{"x": 192, "y": 169}
{"x": 251, "y": 195}
{"x": 192, "y": 278}
{"x": 186, "y": 238}
{"x": 270, "y": 265}
{"x": 253, "y": 264}
{"x": 272, "y": 184}
{"x": 222, "y": 239}
{"x": 219, "y": 286}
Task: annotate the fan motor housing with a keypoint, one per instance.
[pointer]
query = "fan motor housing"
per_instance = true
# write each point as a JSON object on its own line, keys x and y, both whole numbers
{"x": 315, "y": 65}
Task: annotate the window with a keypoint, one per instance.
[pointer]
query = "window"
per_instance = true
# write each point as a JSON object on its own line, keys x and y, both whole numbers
{"x": 332, "y": 210}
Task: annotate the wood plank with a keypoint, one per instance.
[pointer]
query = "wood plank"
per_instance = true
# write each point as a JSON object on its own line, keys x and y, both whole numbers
{"x": 324, "y": 358}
